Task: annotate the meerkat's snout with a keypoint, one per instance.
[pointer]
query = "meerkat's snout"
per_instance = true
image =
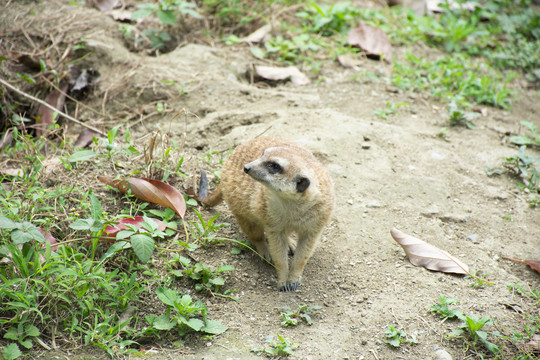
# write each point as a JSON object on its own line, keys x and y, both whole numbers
{"x": 247, "y": 168}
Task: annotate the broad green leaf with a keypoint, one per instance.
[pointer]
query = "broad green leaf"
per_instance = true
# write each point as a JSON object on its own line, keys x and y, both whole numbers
{"x": 257, "y": 52}
{"x": 217, "y": 281}
{"x": 195, "y": 324}
{"x": 6, "y": 223}
{"x": 11, "y": 334}
{"x": 124, "y": 234}
{"x": 214, "y": 327}
{"x": 82, "y": 224}
{"x": 162, "y": 322}
{"x": 141, "y": 13}
{"x": 31, "y": 330}
{"x": 143, "y": 246}
{"x": 81, "y": 155}
{"x": 395, "y": 342}
{"x": 167, "y": 296}
{"x": 166, "y": 17}
{"x": 27, "y": 232}
{"x": 11, "y": 352}
{"x": 26, "y": 343}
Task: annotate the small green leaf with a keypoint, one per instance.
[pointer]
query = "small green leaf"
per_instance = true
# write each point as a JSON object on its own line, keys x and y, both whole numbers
{"x": 26, "y": 343}
{"x": 236, "y": 251}
{"x": 82, "y": 224}
{"x": 223, "y": 268}
{"x": 31, "y": 330}
{"x": 27, "y": 232}
{"x": 217, "y": 281}
{"x": 141, "y": 13}
{"x": 95, "y": 207}
{"x": 257, "y": 52}
{"x": 143, "y": 246}
{"x": 395, "y": 342}
{"x": 11, "y": 352}
{"x": 114, "y": 248}
{"x": 11, "y": 334}
{"x": 195, "y": 324}
{"x": 81, "y": 155}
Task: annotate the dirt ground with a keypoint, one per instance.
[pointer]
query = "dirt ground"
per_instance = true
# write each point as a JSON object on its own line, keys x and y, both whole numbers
{"x": 387, "y": 173}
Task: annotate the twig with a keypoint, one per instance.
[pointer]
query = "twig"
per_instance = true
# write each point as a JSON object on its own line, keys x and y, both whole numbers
{"x": 41, "y": 102}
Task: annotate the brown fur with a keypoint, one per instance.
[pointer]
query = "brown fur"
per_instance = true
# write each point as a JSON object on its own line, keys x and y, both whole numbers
{"x": 298, "y": 199}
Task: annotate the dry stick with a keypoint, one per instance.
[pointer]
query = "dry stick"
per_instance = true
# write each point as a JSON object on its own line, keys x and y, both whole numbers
{"x": 41, "y": 102}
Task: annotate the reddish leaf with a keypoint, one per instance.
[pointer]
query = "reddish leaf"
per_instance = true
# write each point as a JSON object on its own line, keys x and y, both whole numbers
{"x": 423, "y": 254}
{"x": 85, "y": 138}
{"x": 50, "y": 239}
{"x": 534, "y": 264}
{"x": 45, "y": 116}
{"x": 112, "y": 230}
{"x": 372, "y": 40}
{"x": 150, "y": 190}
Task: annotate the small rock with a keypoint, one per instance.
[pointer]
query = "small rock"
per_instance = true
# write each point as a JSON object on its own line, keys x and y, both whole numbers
{"x": 373, "y": 204}
{"x": 436, "y": 156}
{"x": 442, "y": 354}
{"x": 473, "y": 238}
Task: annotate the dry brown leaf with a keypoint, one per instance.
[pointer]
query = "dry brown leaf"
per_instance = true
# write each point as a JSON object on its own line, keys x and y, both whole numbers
{"x": 534, "y": 264}
{"x": 349, "y": 61}
{"x": 45, "y": 116}
{"x": 370, "y": 39}
{"x": 85, "y": 138}
{"x": 12, "y": 172}
{"x": 423, "y": 254}
{"x": 150, "y": 190}
{"x": 103, "y": 5}
{"x": 282, "y": 73}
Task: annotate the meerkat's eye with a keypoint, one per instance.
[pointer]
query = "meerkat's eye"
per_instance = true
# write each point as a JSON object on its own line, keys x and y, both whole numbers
{"x": 273, "y": 167}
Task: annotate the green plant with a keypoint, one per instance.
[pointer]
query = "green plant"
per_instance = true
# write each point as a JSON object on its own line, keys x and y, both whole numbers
{"x": 23, "y": 334}
{"x": 389, "y": 109}
{"x": 290, "y": 318}
{"x": 524, "y": 166}
{"x": 443, "y": 310}
{"x": 204, "y": 230}
{"x": 459, "y": 117}
{"x": 472, "y": 326}
{"x": 205, "y": 278}
{"x": 281, "y": 347}
{"x": 11, "y": 352}
{"x": 328, "y": 20}
{"x": 184, "y": 314}
{"x": 477, "y": 281}
{"x": 396, "y": 337}
{"x": 533, "y": 140}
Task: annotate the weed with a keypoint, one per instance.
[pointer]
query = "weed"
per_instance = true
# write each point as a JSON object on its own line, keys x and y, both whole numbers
{"x": 524, "y": 166}
{"x": 395, "y": 337}
{"x": 471, "y": 327}
{"x": 204, "y": 277}
{"x": 443, "y": 310}
{"x": 477, "y": 281}
{"x": 282, "y": 347}
{"x": 533, "y": 140}
{"x": 290, "y": 318}
{"x": 533, "y": 293}
{"x": 184, "y": 314}
{"x": 459, "y": 117}
{"x": 328, "y": 20}
{"x": 389, "y": 109}
{"x": 204, "y": 230}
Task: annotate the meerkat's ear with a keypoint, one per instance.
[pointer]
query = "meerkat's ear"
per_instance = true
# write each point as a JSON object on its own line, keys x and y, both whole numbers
{"x": 302, "y": 183}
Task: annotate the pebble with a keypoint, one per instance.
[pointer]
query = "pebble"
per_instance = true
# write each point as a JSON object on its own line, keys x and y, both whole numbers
{"x": 442, "y": 354}
{"x": 473, "y": 238}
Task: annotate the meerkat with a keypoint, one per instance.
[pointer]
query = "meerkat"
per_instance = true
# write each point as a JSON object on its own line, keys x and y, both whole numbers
{"x": 279, "y": 188}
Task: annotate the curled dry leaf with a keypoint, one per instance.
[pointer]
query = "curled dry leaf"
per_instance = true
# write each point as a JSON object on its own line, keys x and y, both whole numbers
{"x": 370, "y": 39}
{"x": 85, "y": 138}
{"x": 282, "y": 73}
{"x": 423, "y": 254}
{"x": 150, "y": 190}
{"x": 112, "y": 230}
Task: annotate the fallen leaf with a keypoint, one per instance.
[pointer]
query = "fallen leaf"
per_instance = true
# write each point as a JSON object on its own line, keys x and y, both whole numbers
{"x": 85, "y": 138}
{"x": 112, "y": 230}
{"x": 372, "y": 40}
{"x": 282, "y": 73}
{"x": 103, "y": 5}
{"x": 150, "y": 190}
{"x": 260, "y": 35}
{"x": 45, "y": 116}
{"x": 50, "y": 239}
{"x": 534, "y": 264}
{"x": 423, "y": 254}
{"x": 12, "y": 172}
{"x": 82, "y": 80}
{"x": 534, "y": 344}
{"x": 347, "y": 61}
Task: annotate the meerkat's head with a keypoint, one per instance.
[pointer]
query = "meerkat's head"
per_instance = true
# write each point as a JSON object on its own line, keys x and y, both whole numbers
{"x": 284, "y": 170}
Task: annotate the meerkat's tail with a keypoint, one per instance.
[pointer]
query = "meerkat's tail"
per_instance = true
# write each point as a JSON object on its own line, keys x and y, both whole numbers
{"x": 209, "y": 200}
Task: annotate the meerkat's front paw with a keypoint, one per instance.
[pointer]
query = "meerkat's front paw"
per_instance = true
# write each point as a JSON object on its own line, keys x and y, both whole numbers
{"x": 289, "y": 286}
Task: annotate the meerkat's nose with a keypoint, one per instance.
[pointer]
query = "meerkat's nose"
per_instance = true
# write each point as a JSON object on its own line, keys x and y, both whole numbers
{"x": 247, "y": 168}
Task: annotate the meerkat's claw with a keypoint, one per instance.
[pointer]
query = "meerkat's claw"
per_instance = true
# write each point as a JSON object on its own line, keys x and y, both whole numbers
{"x": 289, "y": 286}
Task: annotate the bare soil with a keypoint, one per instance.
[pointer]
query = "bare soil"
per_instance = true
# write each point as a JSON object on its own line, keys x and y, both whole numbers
{"x": 387, "y": 173}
